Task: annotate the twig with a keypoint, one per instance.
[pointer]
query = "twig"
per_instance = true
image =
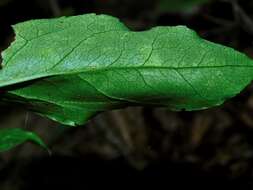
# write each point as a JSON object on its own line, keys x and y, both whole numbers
{"x": 241, "y": 17}
{"x": 55, "y": 8}
{"x": 218, "y": 21}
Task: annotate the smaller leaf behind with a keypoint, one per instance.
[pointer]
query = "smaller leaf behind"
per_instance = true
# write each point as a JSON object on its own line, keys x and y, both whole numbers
{"x": 9, "y": 138}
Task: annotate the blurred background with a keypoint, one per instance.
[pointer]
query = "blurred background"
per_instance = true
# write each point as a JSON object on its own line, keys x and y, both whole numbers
{"x": 138, "y": 147}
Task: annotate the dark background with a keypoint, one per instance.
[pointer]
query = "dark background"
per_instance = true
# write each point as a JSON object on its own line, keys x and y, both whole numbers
{"x": 138, "y": 147}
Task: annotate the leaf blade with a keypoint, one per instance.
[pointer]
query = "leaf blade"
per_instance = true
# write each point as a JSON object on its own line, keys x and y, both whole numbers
{"x": 10, "y": 138}
{"x": 84, "y": 72}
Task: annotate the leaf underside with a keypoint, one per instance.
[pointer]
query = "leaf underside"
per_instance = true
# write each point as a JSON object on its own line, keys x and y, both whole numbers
{"x": 71, "y": 68}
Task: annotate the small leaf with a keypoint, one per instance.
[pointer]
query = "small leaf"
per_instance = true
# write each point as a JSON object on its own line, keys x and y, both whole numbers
{"x": 12, "y": 137}
{"x": 72, "y": 68}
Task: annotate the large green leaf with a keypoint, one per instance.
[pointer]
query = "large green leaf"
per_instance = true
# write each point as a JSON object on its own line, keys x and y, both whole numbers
{"x": 12, "y": 137}
{"x": 69, "y": 69}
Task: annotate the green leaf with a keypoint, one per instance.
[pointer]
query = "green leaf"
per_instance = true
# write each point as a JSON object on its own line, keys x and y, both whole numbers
{"x": 70, "y": 69}
{"x": 12, "y": 137}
